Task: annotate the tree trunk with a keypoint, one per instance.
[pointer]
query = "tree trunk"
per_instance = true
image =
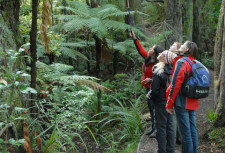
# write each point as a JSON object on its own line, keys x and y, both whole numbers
{"x": 88, "y": 54}
{"x": 217, "y": 55}
{"x": 173, "y": 15}
{"x": 195, "y": 33}
{"x": 115, "y": 61}
{"x": 93, "y": 3}
{"x": 98, "y": 43}
{"x": 188, "y": 19}
{"x": 33, "y": 49}
{"x": 11, "y": 16}
{"x": 220, "y": 100}
{"x": 87, "y": 2}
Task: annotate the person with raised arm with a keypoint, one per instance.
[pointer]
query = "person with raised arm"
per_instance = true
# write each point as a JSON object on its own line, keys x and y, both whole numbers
{"x": 150, "y": 59}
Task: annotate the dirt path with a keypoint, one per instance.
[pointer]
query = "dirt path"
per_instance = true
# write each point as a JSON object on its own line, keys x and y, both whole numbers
{"x": 149, "y": 145}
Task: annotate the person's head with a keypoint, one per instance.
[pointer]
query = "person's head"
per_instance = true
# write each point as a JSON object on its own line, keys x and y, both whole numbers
{"x": 189, "y": 47}
{"x": 154, "y": 52}
{"x": 175, "y": 47}
{"x": 167, "y": 57}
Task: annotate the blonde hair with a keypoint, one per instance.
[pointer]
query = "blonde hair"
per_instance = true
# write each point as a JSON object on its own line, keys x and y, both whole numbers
{"x": 178, "y": 44}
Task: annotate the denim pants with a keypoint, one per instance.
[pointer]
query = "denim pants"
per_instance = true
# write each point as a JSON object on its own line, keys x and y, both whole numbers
{"x": 165, "y": 130}
{"x": 186, "y": 120}
{"x": 151, "y": 110}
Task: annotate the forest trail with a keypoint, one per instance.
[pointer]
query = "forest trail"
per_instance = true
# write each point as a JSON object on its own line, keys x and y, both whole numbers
{"x": 149, "y": 145}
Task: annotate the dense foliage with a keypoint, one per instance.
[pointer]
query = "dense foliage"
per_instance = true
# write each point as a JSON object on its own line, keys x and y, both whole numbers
{"x": 74, "y": 110}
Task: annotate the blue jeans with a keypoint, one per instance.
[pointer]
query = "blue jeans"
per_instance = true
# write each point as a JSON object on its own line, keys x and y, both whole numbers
{"x": 151, "y": 108}
{"x": 186, "y": 120}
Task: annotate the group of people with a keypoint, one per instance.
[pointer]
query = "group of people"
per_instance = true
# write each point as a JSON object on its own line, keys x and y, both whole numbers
{"x": 164, "y": 73}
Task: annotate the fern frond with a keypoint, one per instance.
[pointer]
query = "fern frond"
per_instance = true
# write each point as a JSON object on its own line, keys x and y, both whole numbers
{"x": 72, "y": 53}
{"x": 40, "y": 51}
{"x": 97, "y": 26}
{"x": 73, "y": 44}
{"x": 79, "y": 6}
{"x": 110, "y": 10}
{"x": 57, "y": 27}
{"x": 65, "y": 17}
{"x": 75, "y": 24}
{"x": 78, "y": 12}
{"x": 82, "y": 80}
{"x": 62, "y": 67}
{"x": 124, "y": 46}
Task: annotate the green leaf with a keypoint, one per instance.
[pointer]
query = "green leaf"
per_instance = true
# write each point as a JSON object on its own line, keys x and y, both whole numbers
{"x": 1, "y": 140}
{"x": 20, "y": 118}
{"x": 23, "y": 87}
{"x": 21, "y": 141}
{"x": 12, "y": 141}
{"x": 18, "y": 109}
{"x": 29, "y": 89}
{"x": 2, "y": 86}
{"x": 25, "y": 75}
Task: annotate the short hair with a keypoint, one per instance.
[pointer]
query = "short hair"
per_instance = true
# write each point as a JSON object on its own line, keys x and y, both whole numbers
{"x": 192, "y": 48}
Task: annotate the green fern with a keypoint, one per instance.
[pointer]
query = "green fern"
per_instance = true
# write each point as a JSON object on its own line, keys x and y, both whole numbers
{"x": 58, "y": 72}
{"x": 71, "y": 53}
{"x": 97, "y": 20}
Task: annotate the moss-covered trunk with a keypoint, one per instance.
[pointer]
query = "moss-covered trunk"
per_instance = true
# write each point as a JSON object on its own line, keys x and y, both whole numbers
{"x": 217, "y": 55}
{"x": 187, "y": 19}
{"x": 220, "y": 85}
{"x": 10, "y": 13}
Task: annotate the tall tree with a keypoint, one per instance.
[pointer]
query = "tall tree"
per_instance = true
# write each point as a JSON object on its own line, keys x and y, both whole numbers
{"x": 187, "y": 19}
{"x": 219, "y": 68}
{"x": 33, "y": 48}
{"x": 195, "y": 32}
{"x": 173, "y": 15}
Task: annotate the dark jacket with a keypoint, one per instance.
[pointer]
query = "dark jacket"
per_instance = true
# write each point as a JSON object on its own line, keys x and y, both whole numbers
{"x": 160, "y": 82}
{"x": 176, "y": 97}
{"x": 147, "y": 65}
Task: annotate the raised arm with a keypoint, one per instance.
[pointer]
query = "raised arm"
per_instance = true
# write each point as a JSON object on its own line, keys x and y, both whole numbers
{"x": 140, "y": 49}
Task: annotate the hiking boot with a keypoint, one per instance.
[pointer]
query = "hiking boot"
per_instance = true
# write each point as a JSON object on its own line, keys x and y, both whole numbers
{"x": 150, "y": 131}
{"x": 153, "y": 135}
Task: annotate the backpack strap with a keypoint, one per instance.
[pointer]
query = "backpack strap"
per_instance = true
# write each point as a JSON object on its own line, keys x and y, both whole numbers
{"x": 187, "y": 59}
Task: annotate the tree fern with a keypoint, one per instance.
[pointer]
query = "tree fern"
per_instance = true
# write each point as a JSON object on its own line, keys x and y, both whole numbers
{"x": 95, "y": 19}
{"x": 97, "y": 27}
{"x": 109, "y": 10}
{"x": 72, "y": 53}
{"x": 58, "y": 72}
{"x": 62, "y": 67}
